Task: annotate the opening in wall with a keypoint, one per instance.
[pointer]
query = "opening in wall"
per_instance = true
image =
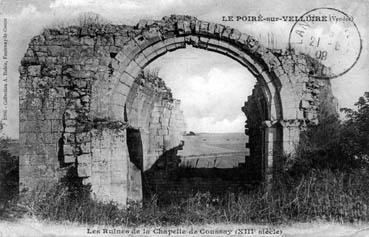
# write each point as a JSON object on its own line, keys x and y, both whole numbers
{"x": 134, "y": 144}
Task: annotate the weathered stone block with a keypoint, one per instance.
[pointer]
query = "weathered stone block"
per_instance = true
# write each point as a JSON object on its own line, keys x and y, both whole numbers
{"x": 68, "y": 150}
{"x": 34, "y": 70}
{"x": 84, "y": 158}
{"x": 87, "y": 41}
{"x": 69, "y": 158}
{"x": 84, "y": 170}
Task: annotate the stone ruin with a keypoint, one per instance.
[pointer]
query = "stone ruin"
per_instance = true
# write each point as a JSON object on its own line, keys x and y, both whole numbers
{"x": 86, "y": 107}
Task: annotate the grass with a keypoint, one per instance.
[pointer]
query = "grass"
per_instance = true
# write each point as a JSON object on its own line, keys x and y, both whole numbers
{"x": 321, "y": 195}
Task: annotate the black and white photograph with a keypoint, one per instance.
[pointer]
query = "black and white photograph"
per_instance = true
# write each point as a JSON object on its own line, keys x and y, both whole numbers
{"x": 184, "y": 118}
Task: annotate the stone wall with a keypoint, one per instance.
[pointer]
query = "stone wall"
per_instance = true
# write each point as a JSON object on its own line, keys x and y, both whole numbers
{"x": 80, "y": 99}
{"x": 62, "y": 127}
{"x": 284, "y": 135}
{"x": 157, "y": 115}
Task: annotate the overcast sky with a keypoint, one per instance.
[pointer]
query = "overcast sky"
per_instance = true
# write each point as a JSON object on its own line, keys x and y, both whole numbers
{"x": 212, "y": 87}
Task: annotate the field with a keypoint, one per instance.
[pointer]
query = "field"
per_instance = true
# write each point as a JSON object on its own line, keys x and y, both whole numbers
{"x": 214, "y": 150}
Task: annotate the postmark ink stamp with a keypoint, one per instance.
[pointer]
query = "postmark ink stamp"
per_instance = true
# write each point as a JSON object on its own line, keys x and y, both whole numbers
{"x": 327, "y": 36}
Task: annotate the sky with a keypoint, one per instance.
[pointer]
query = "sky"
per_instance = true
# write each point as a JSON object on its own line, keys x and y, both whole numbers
{"x": 212, "y": 87}
{"x": 212, "y": 92}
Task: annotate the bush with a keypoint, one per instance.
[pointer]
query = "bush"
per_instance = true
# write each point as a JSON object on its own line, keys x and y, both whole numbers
{"x": 355, "y": 132}
{"x": 332, "y": 144}
{"x": 84, "y": 19}
{"x": 9, "y": 173}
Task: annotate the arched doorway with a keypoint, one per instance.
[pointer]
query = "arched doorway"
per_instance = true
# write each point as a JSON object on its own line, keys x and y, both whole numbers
{"x": 86, "y": 74}
{"x": 156, "y": 40}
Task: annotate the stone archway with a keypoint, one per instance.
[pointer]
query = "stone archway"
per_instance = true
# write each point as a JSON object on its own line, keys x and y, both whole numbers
{"x": 78, "y": 96}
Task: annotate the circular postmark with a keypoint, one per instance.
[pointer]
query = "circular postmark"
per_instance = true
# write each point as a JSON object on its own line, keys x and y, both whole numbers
{"x": 329, "y": 41}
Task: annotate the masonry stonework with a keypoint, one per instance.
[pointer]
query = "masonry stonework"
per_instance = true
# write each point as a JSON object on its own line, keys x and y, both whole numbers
{"x": 85, "y": 104}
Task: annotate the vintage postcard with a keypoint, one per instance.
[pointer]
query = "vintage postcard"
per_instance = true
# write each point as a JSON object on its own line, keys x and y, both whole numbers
{"x": 184, "y": 118}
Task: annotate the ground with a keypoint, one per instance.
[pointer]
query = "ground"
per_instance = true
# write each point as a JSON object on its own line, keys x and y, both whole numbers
{"x": 208, "y": 150}
{"x": 32, "y": 227}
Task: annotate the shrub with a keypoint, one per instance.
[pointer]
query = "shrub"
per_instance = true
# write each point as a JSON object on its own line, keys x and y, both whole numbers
{"x": 355, "y": 132}
{"x": 84, "y": 19}
{"x": 9, "y": 173}
{"x": 332, "y": 144}
{"x": 91, "y": 18}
